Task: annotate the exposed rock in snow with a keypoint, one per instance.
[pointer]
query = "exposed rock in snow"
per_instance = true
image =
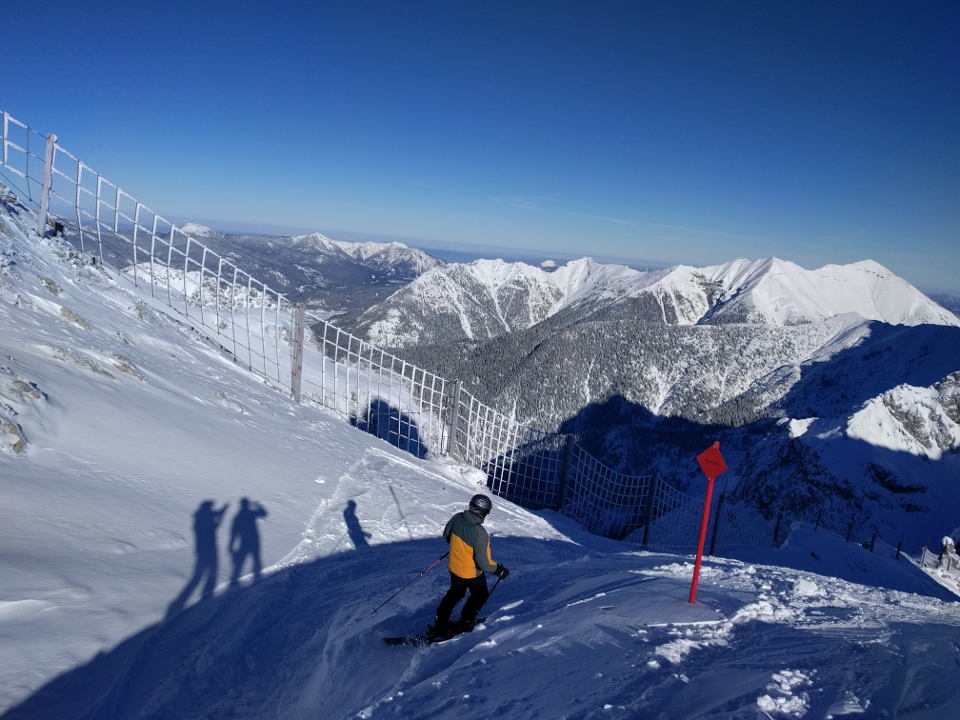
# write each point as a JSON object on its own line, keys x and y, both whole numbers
{"x": 911, "y": 419}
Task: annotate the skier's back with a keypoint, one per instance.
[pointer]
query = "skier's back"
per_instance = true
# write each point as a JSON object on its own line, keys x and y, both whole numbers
{"x": 468, "y": 560}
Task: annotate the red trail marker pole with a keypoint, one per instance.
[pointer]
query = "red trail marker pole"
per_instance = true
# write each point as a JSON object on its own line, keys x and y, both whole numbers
{"x": 712, "y": 464}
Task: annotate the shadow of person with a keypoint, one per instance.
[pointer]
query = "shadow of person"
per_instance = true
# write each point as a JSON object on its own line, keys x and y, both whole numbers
{"x": 206, "y": 520}
{"x": 357, "y": 534}
{"x": 245, "y": 539}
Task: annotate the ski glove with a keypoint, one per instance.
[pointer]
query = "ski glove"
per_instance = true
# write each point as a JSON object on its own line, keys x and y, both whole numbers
{"x": 501, "y": 572}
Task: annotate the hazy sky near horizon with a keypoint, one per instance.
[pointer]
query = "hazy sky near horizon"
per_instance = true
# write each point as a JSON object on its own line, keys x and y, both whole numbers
{"x": 691, "y": 132}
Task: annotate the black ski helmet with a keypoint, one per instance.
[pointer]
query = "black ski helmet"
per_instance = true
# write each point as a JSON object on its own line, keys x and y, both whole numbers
{"x": 480, "y": 505}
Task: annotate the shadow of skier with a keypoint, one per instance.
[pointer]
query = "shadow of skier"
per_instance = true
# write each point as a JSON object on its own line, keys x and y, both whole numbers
{"x": 358, "y": 536}
{"x": 206, "y": 520}
{"x": 245, "y": 539}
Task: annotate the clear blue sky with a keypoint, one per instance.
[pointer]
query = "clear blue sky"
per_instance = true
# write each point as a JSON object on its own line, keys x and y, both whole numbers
{"x": 819, "y": 132}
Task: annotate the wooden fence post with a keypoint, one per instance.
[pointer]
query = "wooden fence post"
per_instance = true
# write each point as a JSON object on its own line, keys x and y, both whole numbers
{"x": 776, "y": 529}
{"x": 46, "y": 184}
{"x": 648, "y": 521}
{"x": 296, "y": 367}
{"x": 454, "y": 423}
{"x": 565, "y": 471}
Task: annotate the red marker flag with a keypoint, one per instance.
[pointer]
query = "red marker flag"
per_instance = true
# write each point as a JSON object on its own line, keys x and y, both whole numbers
{"x": 712, "y": 463}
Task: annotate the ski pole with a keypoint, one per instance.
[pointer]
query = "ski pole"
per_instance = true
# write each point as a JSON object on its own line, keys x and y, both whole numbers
{"x": 422, "y": 573}
{"x": 494, "y": 587}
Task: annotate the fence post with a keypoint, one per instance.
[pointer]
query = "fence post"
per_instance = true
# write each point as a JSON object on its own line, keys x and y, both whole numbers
{"x": 899, "y": 548}
{"x": 46, "y": 185}
{"x": 454, "y": 421}
{"x": 716, "y": 524}
{"x": 648, "y": 520}
{"x": 565, "y": 470}
{"x": 776, "y": 529}
{"x": 873, "y": 540}
{"x": 296, "y": 368}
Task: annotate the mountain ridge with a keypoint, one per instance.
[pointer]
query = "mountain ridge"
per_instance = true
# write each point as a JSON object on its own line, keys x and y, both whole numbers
{"x": 486, "y": 298}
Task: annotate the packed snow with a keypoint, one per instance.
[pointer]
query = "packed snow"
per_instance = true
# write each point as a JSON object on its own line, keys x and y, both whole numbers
{"x": 120, "y": 423}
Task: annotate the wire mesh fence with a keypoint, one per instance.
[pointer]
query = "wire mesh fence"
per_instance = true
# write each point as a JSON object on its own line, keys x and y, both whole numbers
{"x": 173, "y": 270}
{"x": 376, "y": 391}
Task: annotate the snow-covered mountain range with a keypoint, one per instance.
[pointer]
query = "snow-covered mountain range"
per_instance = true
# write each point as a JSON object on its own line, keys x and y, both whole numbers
{"x": 332, "y": 277}
{"x": 487, "y": 298}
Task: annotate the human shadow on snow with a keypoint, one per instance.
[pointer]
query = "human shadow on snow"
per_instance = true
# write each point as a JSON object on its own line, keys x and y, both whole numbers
{"x": 206, "y": 568}
{"x": 245, "y": 539}
{"x": 358, "y": 536}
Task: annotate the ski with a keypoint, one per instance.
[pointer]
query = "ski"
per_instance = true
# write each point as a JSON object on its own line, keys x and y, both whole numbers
{"x": 428, "y": 638}
{"x": 414, "y": 640}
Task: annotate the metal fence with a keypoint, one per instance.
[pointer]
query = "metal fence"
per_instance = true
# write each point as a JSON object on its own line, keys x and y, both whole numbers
{"x": 946, "y": 563}
{"x": 375, "y": 391}
{"x": 173, "y": 269}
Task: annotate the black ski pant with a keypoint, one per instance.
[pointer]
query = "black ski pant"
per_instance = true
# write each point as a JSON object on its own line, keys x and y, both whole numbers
{"x": 458, "y": 588}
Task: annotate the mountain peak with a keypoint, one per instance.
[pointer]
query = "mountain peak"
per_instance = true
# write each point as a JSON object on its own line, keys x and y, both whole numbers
{"x": 780, "y": 292}
{"x": 197, "y": 230}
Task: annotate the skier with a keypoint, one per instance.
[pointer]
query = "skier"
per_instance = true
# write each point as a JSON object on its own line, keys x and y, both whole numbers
{"x": 245, "y": 539}
{"x": 468, "y": 560}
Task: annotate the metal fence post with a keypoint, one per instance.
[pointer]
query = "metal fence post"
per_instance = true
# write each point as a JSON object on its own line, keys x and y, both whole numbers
{"x": 716, "y": 524}
{"x": 47, "y": 184}
{"x": 899, "y": 548}
{"x": 454, "y": 423}
{"x": 565, "y": 471}
{"x": 873, "y": 540}
{"x": 648, "y": 520}
{"x": 296, "y": 367}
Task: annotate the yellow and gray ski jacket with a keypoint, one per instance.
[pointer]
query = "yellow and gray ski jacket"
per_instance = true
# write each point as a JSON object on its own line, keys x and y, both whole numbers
{"x": 469, "y": 546}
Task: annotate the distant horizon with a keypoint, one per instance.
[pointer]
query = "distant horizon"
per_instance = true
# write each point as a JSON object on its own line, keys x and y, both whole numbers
{"x": 460, "y": 252}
